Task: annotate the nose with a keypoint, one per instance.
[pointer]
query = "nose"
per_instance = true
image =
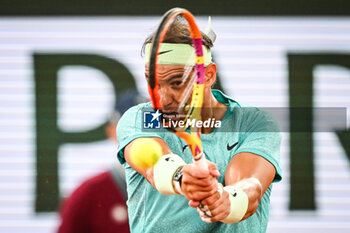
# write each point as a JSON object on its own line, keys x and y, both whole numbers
{"x": 167, "y": 98}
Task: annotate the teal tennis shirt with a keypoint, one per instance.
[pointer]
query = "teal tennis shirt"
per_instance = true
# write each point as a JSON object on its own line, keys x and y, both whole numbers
{"x": 242, "y": 130}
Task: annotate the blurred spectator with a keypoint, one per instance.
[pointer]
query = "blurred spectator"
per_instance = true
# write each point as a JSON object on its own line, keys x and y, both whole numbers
{"x": 99, "y": 203}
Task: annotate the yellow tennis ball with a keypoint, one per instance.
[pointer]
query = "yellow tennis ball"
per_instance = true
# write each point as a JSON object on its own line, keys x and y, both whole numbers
{"x": 145, "y": 152}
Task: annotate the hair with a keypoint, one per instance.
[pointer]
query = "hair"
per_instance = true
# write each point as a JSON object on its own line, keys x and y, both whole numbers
{"x": 178, "y": 33}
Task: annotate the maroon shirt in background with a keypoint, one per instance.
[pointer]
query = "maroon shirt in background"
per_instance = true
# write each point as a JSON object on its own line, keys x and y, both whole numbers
{"x": 97, "y": 205}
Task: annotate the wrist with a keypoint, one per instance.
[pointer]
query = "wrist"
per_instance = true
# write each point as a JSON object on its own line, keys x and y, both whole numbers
{"x": 164, "y": 172}
{"x": 239, "y": 204}
{"x": 177, "y": 179}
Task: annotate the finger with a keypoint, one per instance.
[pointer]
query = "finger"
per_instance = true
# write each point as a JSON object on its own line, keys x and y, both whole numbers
{"x": 217, "y": 214}
{"x": 190, "y": 184}
{"x": 219, "y": 210}
{"x": 215, "y": 197}
{"x": 214, "y": 173}
{"x": 223, "y": 200}
{"x": 195, "y": 171}
{"x": 202, "y": 185}
{"x": 211, "y": 199}
{"x": 195, "y": 193}
{"x": 198, "y": 195}
{"x": 220, "y": 216}
{"x": 193, "y": 203}
{"x": 213, "y": 170}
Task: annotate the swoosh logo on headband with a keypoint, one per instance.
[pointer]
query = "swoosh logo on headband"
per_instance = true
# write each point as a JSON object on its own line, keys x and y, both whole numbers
{"x": 166, "y": 51}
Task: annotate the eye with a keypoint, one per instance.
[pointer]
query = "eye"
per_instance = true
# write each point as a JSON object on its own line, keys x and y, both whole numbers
{"x": 176, "y": 83}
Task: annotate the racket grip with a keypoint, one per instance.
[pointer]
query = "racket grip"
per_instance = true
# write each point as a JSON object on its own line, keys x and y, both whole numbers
{"x": 201, "y": 161}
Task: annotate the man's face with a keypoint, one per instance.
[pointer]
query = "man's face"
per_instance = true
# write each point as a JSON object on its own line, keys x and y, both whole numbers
{"x": 172, "y": 87}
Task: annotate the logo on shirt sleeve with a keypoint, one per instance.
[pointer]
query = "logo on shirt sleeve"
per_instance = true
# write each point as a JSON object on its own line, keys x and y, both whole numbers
{"x": 151, "y": 120}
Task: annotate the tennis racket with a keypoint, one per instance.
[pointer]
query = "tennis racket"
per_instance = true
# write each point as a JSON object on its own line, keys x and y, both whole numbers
{"x": 190, "y": 98}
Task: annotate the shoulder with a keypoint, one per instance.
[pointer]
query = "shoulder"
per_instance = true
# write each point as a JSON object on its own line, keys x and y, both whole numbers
{"x": 255, "y": 113}
{"x": 133, "y": 116}
{"x": 136, "y": 110}
{"x": 256, "y": 119}
{"x": 248, "y": 118}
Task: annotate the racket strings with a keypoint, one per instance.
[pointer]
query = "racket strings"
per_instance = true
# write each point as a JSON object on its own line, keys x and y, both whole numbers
{"x": 189, "y": 87}
{"x": 189, "y": 77}
{"x": 187, "y": 92}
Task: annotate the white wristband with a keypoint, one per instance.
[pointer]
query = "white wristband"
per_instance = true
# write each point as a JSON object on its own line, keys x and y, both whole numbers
{"x": 239, "y": 204}
{"x": 163, "y": 172}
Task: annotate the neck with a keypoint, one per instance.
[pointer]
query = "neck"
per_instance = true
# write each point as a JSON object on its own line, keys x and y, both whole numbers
{"x": 212, "y": 109}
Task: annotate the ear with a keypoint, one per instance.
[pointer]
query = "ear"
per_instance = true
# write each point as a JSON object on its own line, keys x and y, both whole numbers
{"x": 210, "y": 74}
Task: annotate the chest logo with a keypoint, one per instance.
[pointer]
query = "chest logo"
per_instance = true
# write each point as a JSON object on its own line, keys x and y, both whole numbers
{"x": 230, "y": 147}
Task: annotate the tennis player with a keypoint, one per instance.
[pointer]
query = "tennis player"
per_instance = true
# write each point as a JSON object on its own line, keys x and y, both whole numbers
{"x": 177, "y": 195}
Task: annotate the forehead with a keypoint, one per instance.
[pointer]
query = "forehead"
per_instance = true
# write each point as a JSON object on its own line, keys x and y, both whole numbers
{"x": 163, "y": 69}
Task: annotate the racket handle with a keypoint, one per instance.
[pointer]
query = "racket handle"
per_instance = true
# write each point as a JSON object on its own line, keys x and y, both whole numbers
{"x": 201, "y": 161}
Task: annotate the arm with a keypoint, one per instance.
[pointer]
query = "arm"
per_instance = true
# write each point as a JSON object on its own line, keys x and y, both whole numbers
{"x": 197, "y": 184}
{"x": 253, "y": 174}
{"x": 249, "y": 172}
{"x": 128, "y": 127}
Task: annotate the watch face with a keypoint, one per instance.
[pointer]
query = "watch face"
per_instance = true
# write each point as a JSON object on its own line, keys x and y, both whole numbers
{"x": 178, "y": 174}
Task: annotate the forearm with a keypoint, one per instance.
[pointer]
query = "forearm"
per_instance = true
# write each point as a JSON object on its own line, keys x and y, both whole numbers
{"x": 238, "y": 201}
{"x": 251, "y": 173}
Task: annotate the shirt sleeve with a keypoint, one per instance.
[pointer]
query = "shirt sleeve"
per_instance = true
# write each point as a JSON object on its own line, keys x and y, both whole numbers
{"x": 130, "y": 127}
{"x": 260, "y": 134}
